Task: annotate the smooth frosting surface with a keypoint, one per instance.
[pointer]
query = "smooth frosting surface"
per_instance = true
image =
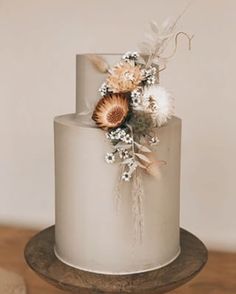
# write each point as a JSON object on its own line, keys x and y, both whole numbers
{"x": 90, "y": 233}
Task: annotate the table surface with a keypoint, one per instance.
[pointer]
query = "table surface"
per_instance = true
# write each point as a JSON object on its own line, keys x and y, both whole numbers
{"x": 218, "y": 276}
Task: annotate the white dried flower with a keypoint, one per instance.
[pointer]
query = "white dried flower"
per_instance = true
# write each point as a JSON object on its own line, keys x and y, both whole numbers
{"x": 158, "y": 101}
{"x": 126, "y": 177}
{"x": 154, "y": 141}
{"x": 103, "y": 89}
{"x": 112, "y": 136}
{"x": 130, "y": 56}
{"x": 151, "y": 80}
{"x": 149, "y": 75}
{"x": 123, "y": 153}
{"x": 136, "y": 93}
{"x": 115, "y": 134}
{"x": 122, "y": 135}
{"x": 136, "y": 101}
{"x": 110, "y": 158}
{"x": 148, "y": 72}
{"x": 128, "y": 139}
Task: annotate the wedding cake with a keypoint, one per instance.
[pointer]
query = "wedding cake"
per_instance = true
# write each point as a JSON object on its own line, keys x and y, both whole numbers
{"x": 117, "y": 168}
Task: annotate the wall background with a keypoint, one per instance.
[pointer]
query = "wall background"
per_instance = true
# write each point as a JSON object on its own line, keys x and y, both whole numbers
{"x": 38, "y": 43}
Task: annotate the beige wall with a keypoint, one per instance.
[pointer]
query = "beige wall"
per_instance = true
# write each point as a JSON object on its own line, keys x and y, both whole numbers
{"x": 38, "y": 43}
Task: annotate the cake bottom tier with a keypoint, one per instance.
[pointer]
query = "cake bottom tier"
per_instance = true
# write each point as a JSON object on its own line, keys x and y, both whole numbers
{"x": 91, "y": 232}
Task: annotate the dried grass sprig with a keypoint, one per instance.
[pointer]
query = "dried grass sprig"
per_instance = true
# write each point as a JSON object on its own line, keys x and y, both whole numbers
{"x": 158, "y": 39}
{"x": 137, "y": 205}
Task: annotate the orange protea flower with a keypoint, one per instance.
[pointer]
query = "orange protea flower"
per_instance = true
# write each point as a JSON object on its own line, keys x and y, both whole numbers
{"x": 111, "y": 111}
{"x": 124, "y": 77}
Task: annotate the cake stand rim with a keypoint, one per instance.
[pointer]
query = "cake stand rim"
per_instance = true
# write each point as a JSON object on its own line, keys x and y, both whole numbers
{"x": 165, "y": 287}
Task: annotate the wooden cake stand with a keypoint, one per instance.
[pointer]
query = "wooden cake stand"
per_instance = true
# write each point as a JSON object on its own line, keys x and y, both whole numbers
{"x": 39, "y": 254}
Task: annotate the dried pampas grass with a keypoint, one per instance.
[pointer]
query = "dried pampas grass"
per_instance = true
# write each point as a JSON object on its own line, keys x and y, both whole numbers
{"x": 137, "y": 193}
{"x": 99, "y": 62}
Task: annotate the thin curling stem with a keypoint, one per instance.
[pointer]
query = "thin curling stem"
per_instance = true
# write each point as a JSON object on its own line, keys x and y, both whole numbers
{"x": 176, "y": 43}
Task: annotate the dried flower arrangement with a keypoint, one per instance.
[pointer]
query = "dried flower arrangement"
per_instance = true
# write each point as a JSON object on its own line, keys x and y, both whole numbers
{"x": 132, "y": 108}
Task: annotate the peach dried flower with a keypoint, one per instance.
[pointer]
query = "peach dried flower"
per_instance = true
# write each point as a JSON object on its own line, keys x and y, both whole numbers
{"x": 124, "y": 77}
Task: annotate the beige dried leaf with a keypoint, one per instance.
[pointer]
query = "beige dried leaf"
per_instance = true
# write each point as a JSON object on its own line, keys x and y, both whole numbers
{"x": 143, "y": 157}
{"x": 142, "y": 148}
{"x": 153, "y": 166}
{"x": 141, "y": 165}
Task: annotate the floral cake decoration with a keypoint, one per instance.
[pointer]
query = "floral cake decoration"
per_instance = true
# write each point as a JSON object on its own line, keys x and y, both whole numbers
{"x": 133, "y": 104}
{"x": 133, "y": 107}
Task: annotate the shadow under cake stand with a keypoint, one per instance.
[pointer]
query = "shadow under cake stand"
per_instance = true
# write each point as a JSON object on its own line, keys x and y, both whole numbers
{"x": 39, "y": 254}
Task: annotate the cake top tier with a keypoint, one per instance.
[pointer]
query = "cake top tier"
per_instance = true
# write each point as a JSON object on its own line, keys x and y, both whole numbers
{"x": 89, "y": 79}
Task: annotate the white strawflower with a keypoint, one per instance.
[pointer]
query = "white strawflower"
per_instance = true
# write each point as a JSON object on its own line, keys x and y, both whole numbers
{"x": 159, "y": 102}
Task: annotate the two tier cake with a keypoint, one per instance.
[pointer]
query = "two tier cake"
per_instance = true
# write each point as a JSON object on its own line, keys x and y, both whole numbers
{"x": 117, "y": 168}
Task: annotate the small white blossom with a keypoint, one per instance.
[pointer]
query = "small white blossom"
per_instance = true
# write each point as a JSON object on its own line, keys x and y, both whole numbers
{"x": 136, "y": 92}
{"x": 136, "y": 101}
{"x": 110, "y": 158}
{"x": 151, "y": 80}
{"x": 103, "y": 89}
{"x": 124, "y": 154}
{"x": 112, "y": 136}
{"x": 154, "y": 141}
{"x": 149, "y": 75}
{"x": 115, "y": 134}
{"x": 107, "y": 135}
{"x": 136, "y": 97}
{"x": 151, "y": 71}
{"x": 130, "y": 56}
{"x": 126, "y": 176}
{"x": 122, "y": 134}
{"x": 128, "y": 139}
